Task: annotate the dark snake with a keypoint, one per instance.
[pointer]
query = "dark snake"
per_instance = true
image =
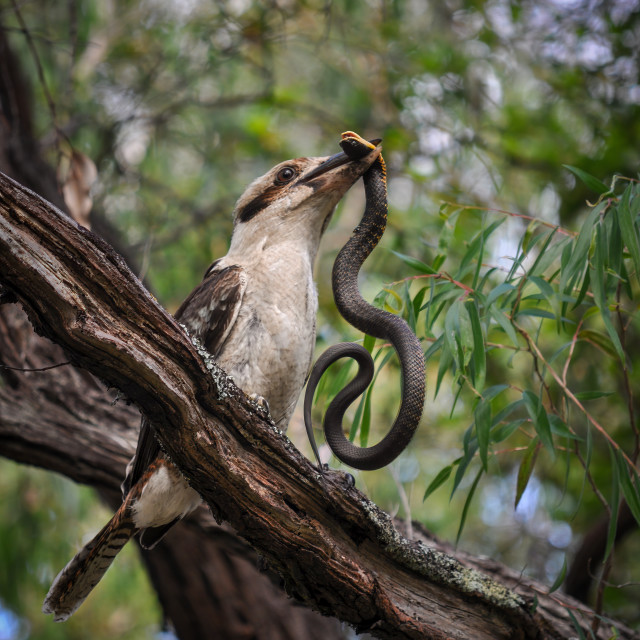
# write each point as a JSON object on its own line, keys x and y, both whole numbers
{"x": 374, "y": 322}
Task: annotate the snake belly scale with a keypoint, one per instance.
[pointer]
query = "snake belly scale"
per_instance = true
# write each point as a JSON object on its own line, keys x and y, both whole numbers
{"x": 374, "y": 322}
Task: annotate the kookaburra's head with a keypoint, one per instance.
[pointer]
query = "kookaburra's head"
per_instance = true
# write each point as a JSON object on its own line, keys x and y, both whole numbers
{"x": 294, "y": 201}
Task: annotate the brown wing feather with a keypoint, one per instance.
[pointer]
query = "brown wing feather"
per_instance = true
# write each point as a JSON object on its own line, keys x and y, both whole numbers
{"x": 212, "y": 307}
{"x": 209, "y": 313}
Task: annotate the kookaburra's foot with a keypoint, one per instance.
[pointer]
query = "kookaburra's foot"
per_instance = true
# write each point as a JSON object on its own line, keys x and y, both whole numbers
{"x": 349, "y": 479}
{"x": 261, "y": 402}
{"x": 322, "y": 468}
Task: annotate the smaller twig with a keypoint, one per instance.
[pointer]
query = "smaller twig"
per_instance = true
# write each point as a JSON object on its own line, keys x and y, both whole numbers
{"x": 36, "y": 59}
{"x": 594, "y": 486}
{"x": 470, "y": 385}
{"x": 26, "y": 370}
{"x": 626, "y": 380}
{"x": 439, "y": 275}
{"x": 405, "y": 502}
{"x": 606, "y": 570}
{"x": 497, "y": 345}
{"x": 73, "y": 38}
{"x": 574, "y": 340}
{"x": 622, "y": 585}
{"x": 536, "y": 361}
{"x": 501, "y": 452}
{"x": 511, "y": 214}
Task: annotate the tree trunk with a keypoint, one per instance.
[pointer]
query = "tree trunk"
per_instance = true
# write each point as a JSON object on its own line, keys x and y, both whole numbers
{"x": 335, "y": 550}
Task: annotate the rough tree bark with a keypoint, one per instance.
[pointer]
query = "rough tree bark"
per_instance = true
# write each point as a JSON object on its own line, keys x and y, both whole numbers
{"x": 65, "y": 420}
{"x": 336, "y": 551}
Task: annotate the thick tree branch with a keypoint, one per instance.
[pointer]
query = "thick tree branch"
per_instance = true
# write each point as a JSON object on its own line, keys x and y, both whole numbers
{"x": 336, "y": 551}
{"x": 64, "y": 420}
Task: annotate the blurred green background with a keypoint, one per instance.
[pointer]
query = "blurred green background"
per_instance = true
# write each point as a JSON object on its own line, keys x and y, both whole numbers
{"x": 181, "y": 104}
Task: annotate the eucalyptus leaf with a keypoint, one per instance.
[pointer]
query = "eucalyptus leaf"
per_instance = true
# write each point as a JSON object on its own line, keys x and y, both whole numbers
{"x": 540, "y": 420}
{"x": 482, "y": 418}
{"x": 557, "y": 583}
{"x": 442, "y": 476}
{"x": 479, "y": 355}
{"x": 467, "y": 504}
{"x": 526, "y": 469}
{"x": 416, "y": 264}
{"x": 592, "y": 182}
{"x": 629, "y": 228}
{"x": 614, "y": 504}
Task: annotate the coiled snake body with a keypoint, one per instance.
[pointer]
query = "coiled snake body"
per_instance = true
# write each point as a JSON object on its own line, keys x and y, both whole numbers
{"x": 374, "y": 322}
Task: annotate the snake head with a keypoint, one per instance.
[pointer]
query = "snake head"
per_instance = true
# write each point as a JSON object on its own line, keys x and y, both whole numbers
{"x": 357, "y": 147}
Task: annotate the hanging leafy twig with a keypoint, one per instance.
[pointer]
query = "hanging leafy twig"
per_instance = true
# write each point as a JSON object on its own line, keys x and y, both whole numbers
{"x": 40, "y": 71}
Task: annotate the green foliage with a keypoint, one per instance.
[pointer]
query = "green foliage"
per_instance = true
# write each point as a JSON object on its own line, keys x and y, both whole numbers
{"x": 516, "y": 340}
{"x": 44, "y": 522}
{"x": 565, "y": 302}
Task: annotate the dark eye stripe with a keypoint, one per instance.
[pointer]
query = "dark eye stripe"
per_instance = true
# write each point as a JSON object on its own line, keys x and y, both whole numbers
{"x": 259, "y": 203}
{"x": 263, "y": 200}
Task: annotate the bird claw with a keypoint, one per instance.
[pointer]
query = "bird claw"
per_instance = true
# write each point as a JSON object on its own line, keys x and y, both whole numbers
{"x": 261, "y": 402}
{"x": 348, "y": 479}
{"x": 323, "y": 467}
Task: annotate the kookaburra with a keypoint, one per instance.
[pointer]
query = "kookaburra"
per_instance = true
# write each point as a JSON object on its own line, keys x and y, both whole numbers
{"x": 255, "y": 312}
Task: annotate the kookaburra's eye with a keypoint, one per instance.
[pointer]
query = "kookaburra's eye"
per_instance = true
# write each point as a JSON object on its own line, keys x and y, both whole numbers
{"x": 286, "y": 174}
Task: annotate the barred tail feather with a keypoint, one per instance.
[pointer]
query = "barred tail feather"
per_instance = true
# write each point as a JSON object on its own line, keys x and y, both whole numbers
{"x": 76, "y": 581}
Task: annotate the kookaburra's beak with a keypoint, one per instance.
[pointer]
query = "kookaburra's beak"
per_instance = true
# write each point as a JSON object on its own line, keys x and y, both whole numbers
{"x": 333, "y": 162}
